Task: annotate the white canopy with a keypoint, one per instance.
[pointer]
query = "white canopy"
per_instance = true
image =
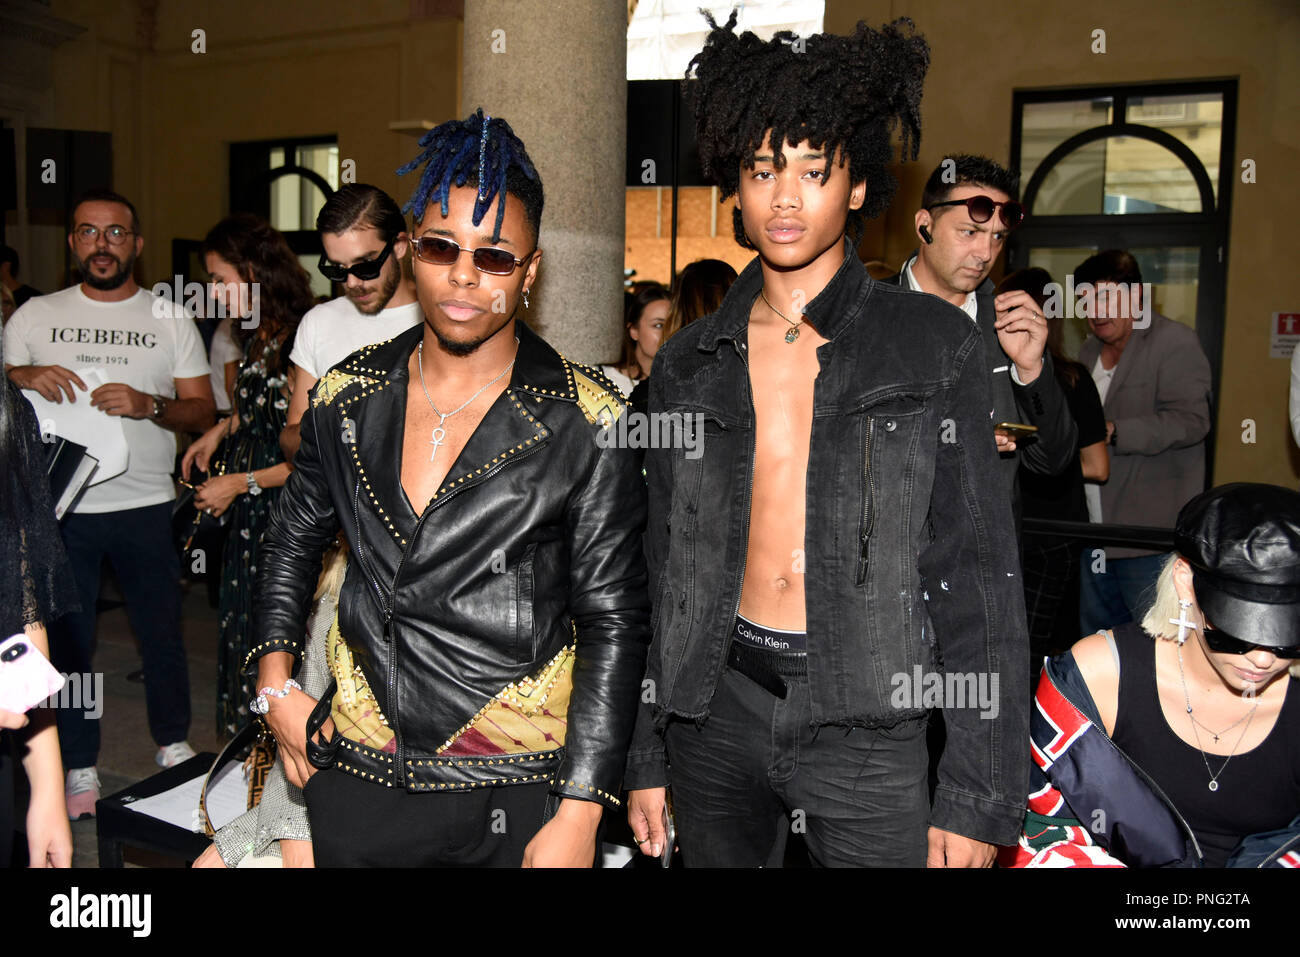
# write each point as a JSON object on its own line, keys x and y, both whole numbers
{"x": 665, "y": 34}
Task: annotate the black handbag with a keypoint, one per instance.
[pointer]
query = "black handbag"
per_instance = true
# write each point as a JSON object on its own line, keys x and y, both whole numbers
{"x": 188, "y": 521}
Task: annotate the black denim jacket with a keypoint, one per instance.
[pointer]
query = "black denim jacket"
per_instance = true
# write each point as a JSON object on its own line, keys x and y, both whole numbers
{"x": 910, "y": 550}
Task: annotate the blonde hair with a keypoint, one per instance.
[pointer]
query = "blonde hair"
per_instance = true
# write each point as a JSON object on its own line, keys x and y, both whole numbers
{"x": 332, "y": 574}
{"x": 1156, "y": 622}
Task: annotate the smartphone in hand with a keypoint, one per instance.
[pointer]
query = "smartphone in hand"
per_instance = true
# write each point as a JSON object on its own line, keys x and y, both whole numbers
{"x": 26, "y": 677}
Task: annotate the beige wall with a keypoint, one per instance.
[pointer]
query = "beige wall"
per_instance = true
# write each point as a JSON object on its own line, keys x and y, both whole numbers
{"x": 978, "y": 60}
{"x": 271, "y": 69}
{"x": 297, "y": 68}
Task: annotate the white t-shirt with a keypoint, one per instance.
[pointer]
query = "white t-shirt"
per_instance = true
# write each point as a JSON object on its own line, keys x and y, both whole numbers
{"x": 332, "y": 331}
{"x": 625, "y": 383}
{"x": 145, "y": 342}
{"x": 1101, "y": 376}
{"x": 223, "y": 350}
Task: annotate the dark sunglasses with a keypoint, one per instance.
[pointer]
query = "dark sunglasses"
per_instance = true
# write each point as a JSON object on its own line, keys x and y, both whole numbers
{"x": 488, "y": 259}
{"x": 365, "y": 270}
{"x": 981, "y": 209}
{"x": 1226, "y": 644}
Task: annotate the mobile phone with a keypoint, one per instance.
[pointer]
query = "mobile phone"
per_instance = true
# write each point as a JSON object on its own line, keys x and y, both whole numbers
{"x": 670, "y": 837}
{"x": 1015, "y": 430}
{"x": 26, "y": 678}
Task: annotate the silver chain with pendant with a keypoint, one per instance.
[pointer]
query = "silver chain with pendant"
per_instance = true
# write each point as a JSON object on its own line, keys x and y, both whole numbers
{"x": 1187, "y": 698}
{"x": 440, "y": 433}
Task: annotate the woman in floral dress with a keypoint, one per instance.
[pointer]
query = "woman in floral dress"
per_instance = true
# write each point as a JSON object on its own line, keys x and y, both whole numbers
{"x": 258, "y": 279}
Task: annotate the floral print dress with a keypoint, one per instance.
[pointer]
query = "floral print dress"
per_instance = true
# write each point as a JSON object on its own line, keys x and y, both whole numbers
{"x": 262, "y": 410}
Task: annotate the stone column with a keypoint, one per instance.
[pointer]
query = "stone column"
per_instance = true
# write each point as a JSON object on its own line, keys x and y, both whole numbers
{"x": 556, "y": 71}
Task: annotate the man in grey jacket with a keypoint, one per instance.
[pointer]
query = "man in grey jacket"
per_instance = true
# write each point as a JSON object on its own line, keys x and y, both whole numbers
{"x": 1154, "y": 382}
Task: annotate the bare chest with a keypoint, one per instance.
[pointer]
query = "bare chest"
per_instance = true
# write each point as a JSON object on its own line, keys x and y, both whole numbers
{"x": 431, "y": 442}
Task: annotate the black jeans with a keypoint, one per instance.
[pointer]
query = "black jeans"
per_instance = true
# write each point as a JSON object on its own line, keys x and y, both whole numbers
{"x": 138, "y": 543}
{"x": 757, "y": 765}
{"x": 356, "y": 823}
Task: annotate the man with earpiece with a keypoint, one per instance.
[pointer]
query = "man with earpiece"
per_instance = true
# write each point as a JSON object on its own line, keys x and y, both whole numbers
{"x": 968, "y": 209}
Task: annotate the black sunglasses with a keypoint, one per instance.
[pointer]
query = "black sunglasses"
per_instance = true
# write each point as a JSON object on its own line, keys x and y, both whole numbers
{"x": 365, "y": 270}
{"x": 488, "y": 259}
{"x": 981, "y": 209}
{"x": 1226, "y": 644}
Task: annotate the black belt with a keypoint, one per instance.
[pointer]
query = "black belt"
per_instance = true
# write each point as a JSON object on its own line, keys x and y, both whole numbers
{"x": 765, "y": 669}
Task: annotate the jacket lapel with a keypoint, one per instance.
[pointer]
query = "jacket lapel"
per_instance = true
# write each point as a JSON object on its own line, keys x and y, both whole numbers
{"x": 513, "y": 425}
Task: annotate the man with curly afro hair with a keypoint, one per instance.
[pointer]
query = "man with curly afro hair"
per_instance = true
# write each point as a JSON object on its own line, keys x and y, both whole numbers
{"x": 833, "y": 556}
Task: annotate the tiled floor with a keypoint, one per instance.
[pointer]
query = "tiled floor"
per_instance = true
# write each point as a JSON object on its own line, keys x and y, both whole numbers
{"x": 127, "y": 750}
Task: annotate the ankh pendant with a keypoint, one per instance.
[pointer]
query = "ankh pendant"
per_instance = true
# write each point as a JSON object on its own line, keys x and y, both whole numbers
{"x": 439, "y": 434}
{"x": 793, "y": 334}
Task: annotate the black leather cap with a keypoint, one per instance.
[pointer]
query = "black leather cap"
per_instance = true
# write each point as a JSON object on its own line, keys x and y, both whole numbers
{"x": 1243, "y": 543}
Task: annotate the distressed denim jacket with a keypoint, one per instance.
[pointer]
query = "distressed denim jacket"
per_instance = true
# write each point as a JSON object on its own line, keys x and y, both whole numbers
{"x": 912, "y": 570}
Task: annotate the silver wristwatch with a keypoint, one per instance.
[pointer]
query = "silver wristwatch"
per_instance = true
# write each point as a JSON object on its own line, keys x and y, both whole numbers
{"x": 253, "y": 487}
{"x": 261, "y": 705}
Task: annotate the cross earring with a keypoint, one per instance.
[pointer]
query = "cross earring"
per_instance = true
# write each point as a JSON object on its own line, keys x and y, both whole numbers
{"x": 525, "y": 298}
{"x": 1181, "y": 621}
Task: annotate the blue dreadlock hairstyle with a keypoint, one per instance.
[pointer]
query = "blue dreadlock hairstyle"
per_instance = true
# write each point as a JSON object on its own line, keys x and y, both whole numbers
{"x": 480, "y": 151}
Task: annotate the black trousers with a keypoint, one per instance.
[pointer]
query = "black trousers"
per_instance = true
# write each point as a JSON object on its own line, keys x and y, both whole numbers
{"x": 756, "y": 766}
{"x": 356, "y": 823}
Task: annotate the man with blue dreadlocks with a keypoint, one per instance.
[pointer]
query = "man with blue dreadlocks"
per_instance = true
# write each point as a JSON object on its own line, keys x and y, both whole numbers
{"x": 492, "y": 628}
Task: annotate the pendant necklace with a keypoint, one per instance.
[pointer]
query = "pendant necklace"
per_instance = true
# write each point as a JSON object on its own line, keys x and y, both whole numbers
{"x": 1214, "y": 778}
{"x": 440, "y": 433}
{"x": 793, "y": 332}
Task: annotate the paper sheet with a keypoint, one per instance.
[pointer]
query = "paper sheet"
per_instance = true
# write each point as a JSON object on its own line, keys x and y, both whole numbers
{"x": 227, "y": 799}
{"x": 80, "y": 422}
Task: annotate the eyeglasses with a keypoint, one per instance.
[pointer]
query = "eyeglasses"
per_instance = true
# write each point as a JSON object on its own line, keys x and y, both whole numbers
{"x": 981, "y": 210}
{"x": 365, "y": 270}
{"x": 116, "y": 235}
{"x": 488, "y": 259}
{"x": 1226, "y": 644}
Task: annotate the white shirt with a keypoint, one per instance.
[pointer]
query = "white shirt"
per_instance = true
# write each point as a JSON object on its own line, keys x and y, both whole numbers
{"x": 145, "y": 342}
{"x": 625, "y": 383}
{"x": 223, "y": 350}
{"x": 970, "y": 306}
{"x": 1101, "y": 376}
{"x": 332, "y": 331}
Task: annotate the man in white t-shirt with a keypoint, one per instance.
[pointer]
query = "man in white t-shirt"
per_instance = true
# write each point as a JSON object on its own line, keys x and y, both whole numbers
{"x": 151, "y": 354}
{"x": 366, "y": 243}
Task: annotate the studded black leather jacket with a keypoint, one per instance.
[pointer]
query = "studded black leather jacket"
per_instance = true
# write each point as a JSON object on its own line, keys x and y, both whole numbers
{"x": 499, "y": 636}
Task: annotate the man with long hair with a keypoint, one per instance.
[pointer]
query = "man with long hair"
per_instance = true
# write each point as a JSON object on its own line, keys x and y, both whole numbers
{"x": 150, "y": 353}
{"x": 843, "y": 545}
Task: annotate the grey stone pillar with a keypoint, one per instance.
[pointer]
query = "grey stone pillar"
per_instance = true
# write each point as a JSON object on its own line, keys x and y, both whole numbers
{"x": 556, "y": 71}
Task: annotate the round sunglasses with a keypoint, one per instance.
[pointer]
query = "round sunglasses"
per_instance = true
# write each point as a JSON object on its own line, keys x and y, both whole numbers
{"x": 488, "y": 259}
{"x": 1226, "y": 644}
{"x": 365, "y": 270}
{"x": 981, "y": 209}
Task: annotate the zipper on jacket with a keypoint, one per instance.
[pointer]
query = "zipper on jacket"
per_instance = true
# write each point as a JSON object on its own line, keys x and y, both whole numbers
{"x": 1277, "y": 853}
{"x": 356, "y": 517}
{"x": 868, "y": 500}
{"x": 1155, "y": 788}
{"x": 749, "y": 486}
{"x": 393, "y": 710}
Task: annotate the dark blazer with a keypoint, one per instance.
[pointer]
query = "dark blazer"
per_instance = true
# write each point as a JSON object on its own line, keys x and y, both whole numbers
{"x": 1041, "y": 403}
{"x": 1159, "y": 400}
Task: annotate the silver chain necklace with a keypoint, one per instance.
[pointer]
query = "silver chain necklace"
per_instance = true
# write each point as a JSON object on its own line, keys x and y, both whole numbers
{"x": 440, "y": 433}
{"x": 1187, "y": 698}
